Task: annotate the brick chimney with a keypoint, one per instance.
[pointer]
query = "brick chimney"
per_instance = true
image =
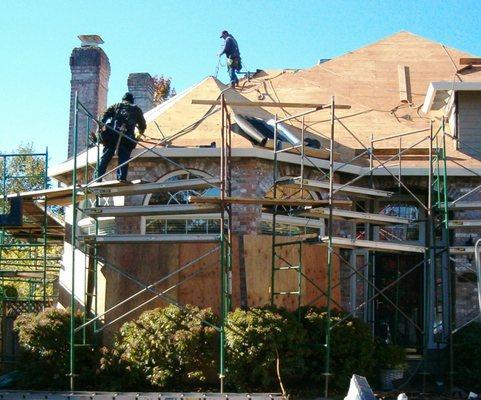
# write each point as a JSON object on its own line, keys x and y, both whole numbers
{"x": 90, "y": 69}
{"x": 141, "y": 85}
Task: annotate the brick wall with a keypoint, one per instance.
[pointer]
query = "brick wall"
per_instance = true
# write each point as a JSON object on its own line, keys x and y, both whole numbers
{"x": 90, "y": 69}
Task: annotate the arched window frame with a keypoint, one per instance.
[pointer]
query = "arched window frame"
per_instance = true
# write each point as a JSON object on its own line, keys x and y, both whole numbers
{"x": 165, "y": 178}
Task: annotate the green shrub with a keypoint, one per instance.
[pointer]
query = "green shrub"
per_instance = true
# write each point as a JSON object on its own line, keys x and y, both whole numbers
{"x": 164, "y": 349}
{"x": 44, "y": 359}
{"x": 390, "y": 356}
{"x": 352, "y": 348}
{"x": 8, "y": 291}
{"x": 256, "y": 339}
{"x": 467, "y": 357}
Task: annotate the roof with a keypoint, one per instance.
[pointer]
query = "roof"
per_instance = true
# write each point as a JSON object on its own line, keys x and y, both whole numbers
{"x": 372, "y": 80}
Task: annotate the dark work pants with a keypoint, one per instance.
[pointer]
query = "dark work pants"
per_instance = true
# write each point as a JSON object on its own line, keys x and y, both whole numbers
{"x": 125, "y": 149}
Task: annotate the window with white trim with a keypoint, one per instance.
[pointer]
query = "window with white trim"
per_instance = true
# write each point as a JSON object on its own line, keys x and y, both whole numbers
{"x": 178, "y": 223}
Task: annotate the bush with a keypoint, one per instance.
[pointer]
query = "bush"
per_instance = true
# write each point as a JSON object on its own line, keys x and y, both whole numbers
{"x": 352, "y": 348}
{"x": 390, "y": 356}
{"x": 166, "y": 348}
{"x": 9, "y": 291}
{"x": 256, "y": 339}
{"x": 170, "y": 349}
{"x": 467, "y": 357}
{"x": 44, "y": 359}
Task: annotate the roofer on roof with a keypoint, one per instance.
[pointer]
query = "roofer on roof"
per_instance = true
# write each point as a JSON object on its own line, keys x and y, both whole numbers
{"x": 231, "y": 51}
{"x": 121, "y": 117}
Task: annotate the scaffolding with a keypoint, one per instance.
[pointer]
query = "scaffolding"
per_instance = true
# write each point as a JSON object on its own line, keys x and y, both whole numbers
{"x": 436, "y": 327}
{"x": 85, "y": 188}
{"x": 30, "y": 239}
{"x": 346, "y": 198}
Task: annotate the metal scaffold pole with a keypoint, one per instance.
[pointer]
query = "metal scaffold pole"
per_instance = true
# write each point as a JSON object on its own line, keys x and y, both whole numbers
{"x": 330, "y": 254}
{"x": 73, "y": 244}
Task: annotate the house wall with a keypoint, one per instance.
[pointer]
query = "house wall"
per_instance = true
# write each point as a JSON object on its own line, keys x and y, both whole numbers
{"x": 251, "y": 275}
{"x": 466, "y": 290}
{"x": 469, "y": 123}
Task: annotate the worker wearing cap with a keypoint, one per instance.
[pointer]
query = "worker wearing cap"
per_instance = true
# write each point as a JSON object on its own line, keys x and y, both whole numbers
{"x": 121, "y": 117}
{"x": 232, "y": 53}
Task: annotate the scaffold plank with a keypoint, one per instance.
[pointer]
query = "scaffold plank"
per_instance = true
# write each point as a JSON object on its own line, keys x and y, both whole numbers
{"x": 374, "y": 245}
{"x": 375, "y": 219}
{"x": 295, "y": 221}
{"x": 148, "y": 210}
{"x": 351, "y": 190}
{"x": 459, "y": 223}
{"x": 461, "y": 250}
{"x": 62, "y": 196}
{"x": 64, "y": 191}
{"x": 264, "y": 201}
{"x": 144, "y": 188}
{"x": 465, "y": 205}
{"x": 132, "y": 238}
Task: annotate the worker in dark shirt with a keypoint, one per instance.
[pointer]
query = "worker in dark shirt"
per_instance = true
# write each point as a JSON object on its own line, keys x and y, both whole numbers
{"x": 121, "y": 117}
{"x": 232, "y": 53}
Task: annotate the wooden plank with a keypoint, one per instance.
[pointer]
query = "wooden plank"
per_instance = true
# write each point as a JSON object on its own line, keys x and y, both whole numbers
{"x": 470, "y": 61}
{"x": 415, "y": 151}
{"x": 270, "y": 104}
{"x": 295, "y": 221}
{"x": 64, "y": 191}
{"x": 263, "y": 201}
{"x": 308, "y": 151}
{"x": 375, "y": 219}
{"x": 374, "y": 245}
{"x": 144, "y": 188}
{"x": 459, "y": 223}
{"x": 128, "y": 211}
{"x": 63, "y": 196}
{"x": 315, "y": 185}
{"x": 461, "y": 249}
{"x": 404, "y": 87}
{"x": 133, "y": 238}
{"x": 465, "y": 205}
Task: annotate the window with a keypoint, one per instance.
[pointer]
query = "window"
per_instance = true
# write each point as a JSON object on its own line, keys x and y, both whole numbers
{"x": 181, "y": 224}
{"x": 403, "y": 232}
{"x": 289, "y": 228}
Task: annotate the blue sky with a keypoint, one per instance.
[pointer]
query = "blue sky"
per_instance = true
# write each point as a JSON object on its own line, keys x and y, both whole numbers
{"x": 181, "y": 38}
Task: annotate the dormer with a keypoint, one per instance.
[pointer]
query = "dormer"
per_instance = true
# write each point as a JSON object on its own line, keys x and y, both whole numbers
{"x": 460, "y": 104}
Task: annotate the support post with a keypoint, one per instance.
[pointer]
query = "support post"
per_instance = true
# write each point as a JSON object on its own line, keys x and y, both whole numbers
{"x": 330, "y": 254}
{"x": 73, "y": 244}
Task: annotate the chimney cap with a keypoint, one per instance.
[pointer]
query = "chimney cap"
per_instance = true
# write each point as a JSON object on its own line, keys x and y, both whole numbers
{"x": 90, "y": 40}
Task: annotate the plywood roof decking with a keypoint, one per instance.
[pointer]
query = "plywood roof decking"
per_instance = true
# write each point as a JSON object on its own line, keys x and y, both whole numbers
{"x": 368, "y": 80}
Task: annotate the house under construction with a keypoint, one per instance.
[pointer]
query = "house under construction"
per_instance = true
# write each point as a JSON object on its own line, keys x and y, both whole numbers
{"x": 350, "y": 185}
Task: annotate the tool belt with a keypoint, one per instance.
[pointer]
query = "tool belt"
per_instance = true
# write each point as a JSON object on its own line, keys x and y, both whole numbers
{"x": 234, "y": 63}
{"x": 108, "y": 136}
